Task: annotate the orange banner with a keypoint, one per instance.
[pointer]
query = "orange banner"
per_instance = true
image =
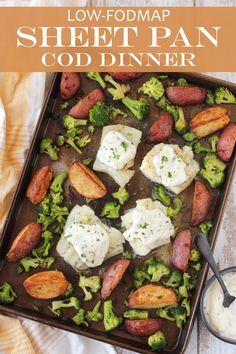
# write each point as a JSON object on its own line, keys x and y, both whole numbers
{"x": 117, "y": 39}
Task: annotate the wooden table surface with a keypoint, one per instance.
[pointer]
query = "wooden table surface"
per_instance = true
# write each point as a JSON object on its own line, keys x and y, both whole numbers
{"x": 201, "y": 341}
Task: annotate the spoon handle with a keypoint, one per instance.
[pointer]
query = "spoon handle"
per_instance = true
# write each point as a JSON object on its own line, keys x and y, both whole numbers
{"x": 204, "y": 248}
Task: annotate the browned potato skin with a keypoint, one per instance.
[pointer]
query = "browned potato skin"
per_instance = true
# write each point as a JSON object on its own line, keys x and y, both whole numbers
{"x": 28, "y": 238}
{"x": 142, "y": 328}
{"x": 226, "y": 143}
{"x": 113, "y": 276}
{"x": 151, "y": 297}
{"x": 39, "y": 185}
{"x": 46, "y": 285}
{"x": 125, "y": 76}
{"x": 201, "y": 203}
{"x": 185, "y": 95}
{"x": 82, "y": 108}
{"x": 181, "y": 249}
{"x": 70, "y": 84}
{"x": 209, "y": 121}
{"x": 86, "y": 182}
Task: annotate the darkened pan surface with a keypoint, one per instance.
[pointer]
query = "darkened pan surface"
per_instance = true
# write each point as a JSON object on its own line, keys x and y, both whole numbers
{"x": 23, "y": 212}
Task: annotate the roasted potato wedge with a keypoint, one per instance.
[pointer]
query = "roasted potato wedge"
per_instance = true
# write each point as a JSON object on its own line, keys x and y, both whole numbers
{"x": 201, "y": 203}
{"x": 113, "y": 276}
{"x": 125, "y": 76}
{"x": 86, "y": 182}
{"x": 70, "y": 84}
{"x": 226, "y": 143}
{"x": 181, "y": 249}
{"x": 142, "y": 328}
{"x": 28, "y": 238}
{"x": 39, "y": 185}
{"x": 152, "y": 296}
{"x": 185, "y": 95}
{"x": 82, "y": 108}
{"x": 209, "y": 121}
{"x": 46, "y": 285}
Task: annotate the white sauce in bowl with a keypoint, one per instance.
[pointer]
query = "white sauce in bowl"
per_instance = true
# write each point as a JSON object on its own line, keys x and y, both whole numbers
{"x": 220, "y": 318}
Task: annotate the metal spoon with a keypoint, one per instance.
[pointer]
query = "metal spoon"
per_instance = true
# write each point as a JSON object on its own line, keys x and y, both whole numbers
{"x": 204, "y": 248}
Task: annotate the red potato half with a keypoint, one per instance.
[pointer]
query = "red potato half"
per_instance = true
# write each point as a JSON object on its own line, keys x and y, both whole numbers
{"x": 181, "y": 249}
{"x": 113, "y": 276}
{"x": 70, "y": 84}
{"x": 161, "y": 130}
{"x": 151, "y": 297}
{"x": 142, "y": 328}
{"x": 82, "y": 108}
{"x": 201, "y": 203}
{"x": 126, "y": 76}
{"x": 28, "y": 238}
{"x": 185, "y": 95}
{"x": 226, "y": 143}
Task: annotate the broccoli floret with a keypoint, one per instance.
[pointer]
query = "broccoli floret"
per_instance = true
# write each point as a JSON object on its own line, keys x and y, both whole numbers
{"x": 139, "y": 277}
{"x": 117, "y": 112}
{"x": 136, "y": 314}
{"x": 182, "y": 82}
{"x": 167, "y": 106}
{"x": 160, "y": 194}
{"x": 45, "y": 246}
{"x": 93, "y": 284}
{"x": 206, "y": 226}
{"x": 121, "y": 195}
{"x": 186, "y": 304}
{"x": 30, "y": 262}
{"x": 95, "y": 315}
{"x": 118, "y": 91}
{"x": 45, "y": 220}
{"x": 73, "y": 133}
{"x": 190, "y": 138}
{"x": 210, "y": 98}
{"x": 69, "y": 290}
{"x": 211, "y": 162}
{"x": 79, "y": 319}
{"x": 153, "y": 88}
{"x": 87, "y": 161}
{"x": 111, "y": 210}
{"x": 100, "y": 114}
{"x": 197, "y": 266}
{"x": 139, "y": 108}
{"x": 157, "y": 270}
{"x": 59, "y": 304}
{"x": 82, "y": 142}
{"x": 199, "y": 148}
{"x": 194, "y": 255}
{"x": 157, "y": 341}
{"x": 91, "y": 129}
{"x": 180, "y": 123}
{"x": 60, "y": 140}
{"x": 69, "y": 122}
{"x": 179, "y": 314}
{"x": 214, "y": 178}
{"x": 162, "y": 77}
{"x": 110, "y": 319}
{"x": 175, "y": 279}
{"x": 213, "y": 171}
{"x": 223, "y": 95}
{"x": 174, "y": 210}
{"x": 47, "y": 147}
{"x": 56, "y": 186}
{"x": 128, "y": 255}
{"x": 64, "y": 105}
{"x": 96, "y": 77}
{"x": 213, "y": 141}
{"x": 57, "y": 198}
{"x": 58, "y": 213}
{"x": 164, "y": 312}
{"x": 71, "y": 142}
{"x": 44, "y": 206}
{"x": 7, "y": 294}
{"x": 187, "y": 285}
